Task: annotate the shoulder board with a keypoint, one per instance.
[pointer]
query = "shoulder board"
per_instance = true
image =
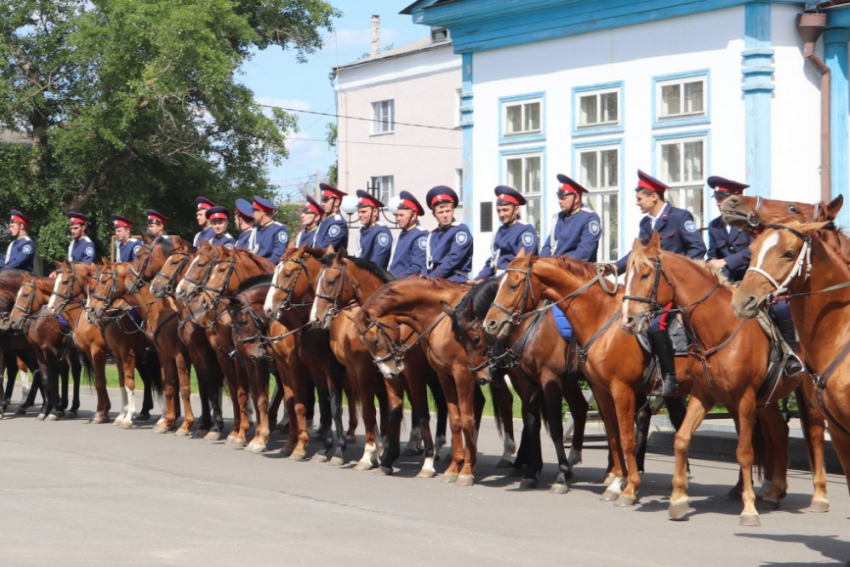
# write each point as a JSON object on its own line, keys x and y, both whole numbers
{"x": 227, "y": 235}
{"x": 27, "y": 238}
{"x": 87, "y": 239}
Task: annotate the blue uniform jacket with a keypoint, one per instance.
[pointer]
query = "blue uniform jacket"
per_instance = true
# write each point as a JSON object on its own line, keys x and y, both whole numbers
{"x": 246, "y": 240}
{"x": 731, "y": 245}
{"x": 223, "y": 239}
{"x": 678, "y": 232}
{"x": 408, "y": 257}
{"x": 272, "y": 240}
{"x": 576, "y": 235}
{"x": 449, "y": 253}
{"x": 203, "y": 236}
{"x": 507, "y": 242}
{"x": 306, "y": 237}
{"x": 127, "y": 251}
{"x": 332, "y": 230}
{"x": 20, "y": 254}
{"x": 81, "y": 250}
{"x": 376, "y": 244}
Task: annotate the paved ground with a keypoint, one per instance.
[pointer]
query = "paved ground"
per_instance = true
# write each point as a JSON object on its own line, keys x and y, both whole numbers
{"x": 78, "y": 494}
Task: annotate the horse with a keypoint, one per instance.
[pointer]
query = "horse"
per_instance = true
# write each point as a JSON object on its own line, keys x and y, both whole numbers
{"x": 797, "y": 261}
{"x": 344, "y": 284}
{"x": 416, "y": 303}
{"x": 52, "y": 340}
{"x": 735, "y": 359}
{"x": 161, "y": 330}
{"x": 15, "y": 346}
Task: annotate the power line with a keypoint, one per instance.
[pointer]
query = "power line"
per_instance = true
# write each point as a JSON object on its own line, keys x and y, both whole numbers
{"x": 356, "y": 117}
{"x": 379, "y": 144}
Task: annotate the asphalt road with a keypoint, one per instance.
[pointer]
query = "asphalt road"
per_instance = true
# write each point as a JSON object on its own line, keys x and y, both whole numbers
{"x": 80, "y": 494}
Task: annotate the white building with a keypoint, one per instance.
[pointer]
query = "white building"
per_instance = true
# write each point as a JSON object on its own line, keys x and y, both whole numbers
{"x": 399, "y": 126}
{"x": 683, "y": 89}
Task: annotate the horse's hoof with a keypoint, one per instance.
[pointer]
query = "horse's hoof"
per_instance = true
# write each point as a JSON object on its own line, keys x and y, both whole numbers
{"x": 159, "y": 429}
{"x": 768, "y": 504}
{"x": 465, "y": 480}
{"x": 238, "y": 443}
{"x": 21, "y": 411}
{"x": 363, "y": 466}
{"x": 679, "y": 510}
{"x": 384, "y": 471}
{"x": 319, "y": 458}
{"x": 734, "y": 495}
{"x": 71, "y": 415}
{"x": 412, "y": 451}
{"x": 528, "y": 483}
{"x": 181, "y": 432}
{"x": 559, "y": 488}
{"x": 126, "y": 424}
{"x": 609, "y": 496}
{"x": 515, "y": 472}
{"x": 96, "y": 419}
{"x": 212, "y": 436}
{"x": 51, "y": 417}
{"x": 199, "y": 433}
{"x": 297, "y": 456}
{"x": 623, "y": 501}
{"x": 336, "y": 462}
{"x": 504, "y": 464}
{"x": 750, "y": 520}
{"x": 426, "y": 473}
{"x": 818, "y": 506}
{"x": 142, "y": 417}
{"x": 256, "y": 449}
{"x": 449, "y": 478}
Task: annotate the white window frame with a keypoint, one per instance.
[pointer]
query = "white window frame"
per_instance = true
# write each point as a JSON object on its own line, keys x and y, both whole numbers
{"x": 604, "y": 200}
{"x": 686, "y": 194}
{"x": 598, "y": 96}
{"x": 522, "y": 101}
{"x": 533, "y": 213}
{"x": 385, "y": 185}
{"x": 660, "y": 120}
{"x": 382, "y": 124}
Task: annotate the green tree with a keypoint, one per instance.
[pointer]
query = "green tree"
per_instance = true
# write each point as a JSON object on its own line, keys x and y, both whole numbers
{"x": 136, "y": 103}
{"x": 331, "y": 138}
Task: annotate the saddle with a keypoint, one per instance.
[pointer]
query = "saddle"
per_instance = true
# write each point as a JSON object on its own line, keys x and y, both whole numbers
{"x": 677, "y": 332}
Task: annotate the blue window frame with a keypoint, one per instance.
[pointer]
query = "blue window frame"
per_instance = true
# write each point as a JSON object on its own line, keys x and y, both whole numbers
{"x": 681, "y": 99}
{"x": 598, "y": 109}
{"x": 522, "y": 118}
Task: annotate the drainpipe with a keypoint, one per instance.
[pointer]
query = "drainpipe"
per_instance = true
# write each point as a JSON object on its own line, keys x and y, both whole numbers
{"x": 811, "y": 26}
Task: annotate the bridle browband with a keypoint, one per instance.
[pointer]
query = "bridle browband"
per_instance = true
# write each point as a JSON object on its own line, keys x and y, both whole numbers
{"x": 171, "y": 280}
{"x": 334, "y": 297}
{"x": 803, "y": 262}
{"x": 287, "y": 304}
{"x": 139, "y": 277}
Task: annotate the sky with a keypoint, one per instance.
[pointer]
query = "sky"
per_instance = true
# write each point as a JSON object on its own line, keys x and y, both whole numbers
{"x": 277, "y": 79}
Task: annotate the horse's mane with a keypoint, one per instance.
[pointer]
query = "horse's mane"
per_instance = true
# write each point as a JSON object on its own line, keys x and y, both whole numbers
{"x": 317, "y": 253}
{"x": 575, "y": 267}
{"x": 262, "y": 279}
{"x": 480, "y": 297}
{"x": 639, "y": 258}
{"x": 363, "y": 264}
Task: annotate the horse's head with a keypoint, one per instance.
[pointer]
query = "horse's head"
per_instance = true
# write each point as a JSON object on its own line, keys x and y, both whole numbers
{"x": 230, "y": 268}
{"x": 197, "y": 274}
{"x": 69, "y": 284}
{"x": 109, "y": 287}
{"x": 333, "y": 289}
{"x": 749, "y": 212}
{"x": 469, "y": 332}
{"x": 173, "y": 268}
{"x": 381, "y": 339}
{"x": 292, "y": 281}
{"x": 514, "y": 297}
{"x": 249, "y": 330}
{"x": 26, "y": 304}
{"x": 647, "y": 286}
{"x": 781, "y": 254}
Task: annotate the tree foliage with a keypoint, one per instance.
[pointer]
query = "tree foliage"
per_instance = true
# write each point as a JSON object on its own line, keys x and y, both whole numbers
{"x": 131, "y": 104}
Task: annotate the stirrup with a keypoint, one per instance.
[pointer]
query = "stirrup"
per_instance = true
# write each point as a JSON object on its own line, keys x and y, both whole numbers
{"x": 665, "y": 388}
{"x": 793, "y": 364}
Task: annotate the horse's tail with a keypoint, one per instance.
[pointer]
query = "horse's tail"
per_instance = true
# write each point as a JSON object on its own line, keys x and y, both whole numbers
{"x": 497, "y": 409}
{"x": 759, "y": 450}
{"x": 88, "y": 371}
{"x": 148, "y": 367}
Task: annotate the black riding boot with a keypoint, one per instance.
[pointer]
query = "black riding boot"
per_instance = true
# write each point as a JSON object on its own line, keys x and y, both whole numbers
{"x": 793, "y": 364}
{"x": 662, "y": 347}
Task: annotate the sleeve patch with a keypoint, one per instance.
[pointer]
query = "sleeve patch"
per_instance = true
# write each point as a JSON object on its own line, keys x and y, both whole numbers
{"x": 423, "y": 242}
{"x": 27, "y": 249}
{"x": 383, "y": 239}
{"x": 333, "y": 231}
{"x": 89, "y": 251}
{"x": 593, "y": 227}
{"x": 461, "y": 238}
{"x": 690, "y": 226}
{"x": 527, "y": 239}
{"x": 282, "y": 236}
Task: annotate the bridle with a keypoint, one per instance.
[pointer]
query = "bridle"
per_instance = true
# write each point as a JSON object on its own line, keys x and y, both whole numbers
{"x": 334, "y": 297}
{"x": 801, "y": 265}
{"x": 68, "y": 298}
{"x": 287, "y": 304}
{"x": 217, "y": 292}
{"x": 652, "y": 300}
{"x": 28, "y": 309}
{"x": 113, "y": 292}
{"x": 171, "y": 280}
{"x": 139, "y": 277}
{"x": 396, "y": 352}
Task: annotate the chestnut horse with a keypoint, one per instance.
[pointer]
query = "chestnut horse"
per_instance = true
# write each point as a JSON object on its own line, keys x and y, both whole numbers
{"x": 343, "y": 285}
{"x": 798, "y": 261}
{"x": 735, "y": 358}
{"x": 15, "y": 345}
{"x": 417, "y": 303}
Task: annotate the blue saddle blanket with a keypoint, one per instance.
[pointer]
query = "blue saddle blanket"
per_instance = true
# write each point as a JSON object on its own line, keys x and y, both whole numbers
{"x": 137, "y": 319}
{"x": 562, "y": 324}
{"x": 62, "y": 321}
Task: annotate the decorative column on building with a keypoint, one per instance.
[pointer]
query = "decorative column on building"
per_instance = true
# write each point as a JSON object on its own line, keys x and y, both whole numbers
{"x": 466, "y": 123}
{"x": 835, "y": 45}
{"x": 758, "y": 88}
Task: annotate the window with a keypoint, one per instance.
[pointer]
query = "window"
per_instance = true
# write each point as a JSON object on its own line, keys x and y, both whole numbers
{"x": 600, "y": 175}
{"x": 487, "y": 216}
{"x": 382, "y": 188}
{"x": 525, "y": 173}
{"x": 383, "y": 114}
{"x": 599, "y": 109}
{"x": 681, "y": 99}
{"x": 682, "y": 167}
{"x": 522, "y": 118}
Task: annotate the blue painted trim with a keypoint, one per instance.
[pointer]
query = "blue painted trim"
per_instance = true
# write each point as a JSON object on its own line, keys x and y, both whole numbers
{"x": 522, "y": 138}
{"x": 685, "y": 120}
{"x": 835, "y": 53}
{"x": 467, "y": 124}
{"x": 706, "y": 197}
{"x": 478, "y": 25}
{"x": 621, "y": 212}
{"x": 757, "y": 86}
{"x": 507, "y": 152}
{"x": 578, "y": 92}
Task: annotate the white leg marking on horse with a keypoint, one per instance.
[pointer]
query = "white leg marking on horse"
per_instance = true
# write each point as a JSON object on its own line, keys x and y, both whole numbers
{"x": 369, "y": 452}
{"x": 428, "y": 465}
{"x": 509, "y": 447}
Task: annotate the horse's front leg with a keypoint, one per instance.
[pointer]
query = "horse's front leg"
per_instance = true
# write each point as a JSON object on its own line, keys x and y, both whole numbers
{"x": 466, "y": 404}
{"x": 698, "y": 406}
{"x": 184, "y": 368}
{"x": 746, "y": 414}
{"x": 624, "y": 404}
{"x": 814, "y": 426}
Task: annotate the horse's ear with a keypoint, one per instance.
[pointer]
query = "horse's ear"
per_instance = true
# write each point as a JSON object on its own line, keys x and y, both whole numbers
{"x": 637, "y": 245}
{"x": 833, "y": 207}
{"x": 340, "y": 254}
{"x": 104, "y": 260}
{"x": 301, "y": 249}
{"x": 521, "y": 254}
{"x": 654, "y": 243}
{"x": 447, "y": 309}
{"x": 147, "y": 237}
{"x": 330, "y": 249}
{"x": 812, "y": 226}
{"x": 59, "y": 263}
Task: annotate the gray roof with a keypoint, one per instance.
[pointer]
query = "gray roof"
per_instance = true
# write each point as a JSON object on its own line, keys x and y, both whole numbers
{"x": 418, "y": 46}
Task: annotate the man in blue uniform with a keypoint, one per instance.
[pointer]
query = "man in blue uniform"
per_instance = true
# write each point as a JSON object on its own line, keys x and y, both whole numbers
{"x": 449, "y": 250}
{"x": 218, "y": 217}
{"x": 408, "y": 254}
{"x": 126, "y": 247}
{"x": 513, "y": 236}
{"x": 332, "y": 228}
{"x": 376, "y": 242}
{"x": 20, "y": 254}
{"x": 679, "y": 235}
{"x": 156, "y": 223}
{"x": 311, "y": 214}
{"x": 81, "y": 248}
{"x": 206, "y": 232}
{"x": 575, "y": 231}
{"x": 245, "y": 223}
{"x": 729, "y": 253}
{"x": 272, "y": 236}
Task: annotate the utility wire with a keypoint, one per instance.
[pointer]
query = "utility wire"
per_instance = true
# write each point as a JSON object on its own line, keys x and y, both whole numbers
{"x": 356, "y": 117}
{"x": 293, "y": 140}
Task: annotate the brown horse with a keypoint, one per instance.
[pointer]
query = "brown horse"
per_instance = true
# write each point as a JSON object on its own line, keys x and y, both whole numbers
{"x": 15, "y": 346}
{"x": 417, "y": 304}
{"x": 735, "y": 356}
{"x": 161, "y": 329}
{"x": 343, "y": 285}
{"x": 797, "y": 261}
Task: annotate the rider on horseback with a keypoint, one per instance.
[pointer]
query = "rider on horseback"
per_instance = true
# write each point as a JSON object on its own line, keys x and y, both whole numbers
{"x": 218, "y": 217}
{"x": 449, "y": 249}
{"x": 729, "y": 253}
{"x": 81, "y": 248}
{"x": 126, "y": 247}
{"x": 408, "y": 256}
{"x": 206, "y": 232}
{"x": 332, "y": 228}
{"x": 21, "y": 251}
{"x": 679, "y": 234}
{"x": 272, "y": 236}
{"x": 311, "y": 214}
{"x": 247, "y": 239}
{"x": 376, "y": 242}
